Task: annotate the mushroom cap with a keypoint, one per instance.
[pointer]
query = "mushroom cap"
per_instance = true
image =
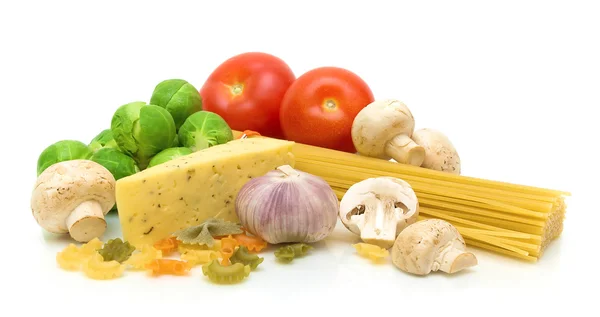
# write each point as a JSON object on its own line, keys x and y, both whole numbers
{"x": 360, "y": 193}
{"x": 440, "y": 153}
{"x": 417, "y": 247}
{"x": 65, "y": 185}
{"x": 379, "y": 122}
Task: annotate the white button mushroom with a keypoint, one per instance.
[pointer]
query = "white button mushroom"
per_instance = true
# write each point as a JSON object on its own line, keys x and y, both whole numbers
{"x": 431, "y": 245}
{"x": 378, "y": 209}
{"x": 440, "y": 154}
{"x": 73, "y": 197}
{"x": 383, "y": 129}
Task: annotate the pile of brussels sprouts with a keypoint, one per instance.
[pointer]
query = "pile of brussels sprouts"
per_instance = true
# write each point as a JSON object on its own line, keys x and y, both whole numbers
{"x": 143, "y": 135}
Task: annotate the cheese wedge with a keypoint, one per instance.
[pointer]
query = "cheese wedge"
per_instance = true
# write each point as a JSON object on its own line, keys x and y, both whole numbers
{"x": 186, "y": 191}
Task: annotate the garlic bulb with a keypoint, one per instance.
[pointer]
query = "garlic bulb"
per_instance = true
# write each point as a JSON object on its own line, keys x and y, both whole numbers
{"x": 287, "y": 206}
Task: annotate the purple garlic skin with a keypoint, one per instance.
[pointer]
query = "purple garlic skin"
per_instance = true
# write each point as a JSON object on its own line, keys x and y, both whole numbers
{"x": 288, "y": 206}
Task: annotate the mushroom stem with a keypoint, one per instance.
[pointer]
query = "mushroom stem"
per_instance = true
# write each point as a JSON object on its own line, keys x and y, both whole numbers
{"x": 379, "y": 227}
{"x": 457, "y": 260}
{"x": 86, "y": 221}
{"x": 404, "y": 150}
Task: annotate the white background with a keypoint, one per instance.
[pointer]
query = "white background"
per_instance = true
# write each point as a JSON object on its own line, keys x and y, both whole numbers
{"x": 514, "y": 84}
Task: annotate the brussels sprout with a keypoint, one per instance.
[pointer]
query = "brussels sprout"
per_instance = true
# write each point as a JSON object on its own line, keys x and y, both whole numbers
{"x": 104, "y": 139}
{"x": 60, "y": 151}
{"x": 204, "y": 129}
{"x": 141, "y": 130}
{"x": 169, "y": 154}
{"x": 118, "y": 163}
{"x": 179, "y": 97}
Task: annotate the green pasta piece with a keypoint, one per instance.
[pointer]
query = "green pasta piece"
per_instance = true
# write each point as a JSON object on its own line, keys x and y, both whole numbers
{"x": 301, "y": 249}
{"x": 242, "y": 256}
{"x": 288, "y": 253}
{"x": 230, "y": 274}
{"x": 285, "y": 254}
{"x": 116, "y": 250}
{"x": 203, "y": 233}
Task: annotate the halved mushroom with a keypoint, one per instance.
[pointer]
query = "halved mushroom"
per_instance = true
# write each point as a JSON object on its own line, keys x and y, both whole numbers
{"x": 383, "y": 129}
{"x": 431, "y": 245}
{"x": 378, "y": 209}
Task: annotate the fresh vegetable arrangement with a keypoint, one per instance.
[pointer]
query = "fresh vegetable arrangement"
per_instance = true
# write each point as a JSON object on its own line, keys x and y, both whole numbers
{"x": 191, "y": 190}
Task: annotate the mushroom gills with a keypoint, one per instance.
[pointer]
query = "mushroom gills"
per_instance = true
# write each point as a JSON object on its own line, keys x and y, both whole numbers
{"x": 379, "y": 222}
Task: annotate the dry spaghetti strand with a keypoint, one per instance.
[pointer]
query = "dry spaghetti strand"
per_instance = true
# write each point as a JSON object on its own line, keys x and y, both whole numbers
{"x": 509, "y": 219}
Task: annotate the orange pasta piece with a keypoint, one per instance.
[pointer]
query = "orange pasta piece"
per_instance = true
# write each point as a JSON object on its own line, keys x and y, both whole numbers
{"x": 168, "y": 266}
{"x": 167, "y": 245}
{"x": 229, "y": 242}
{"x": 248, "y": 134}
{"x": 228, "y": 246}
{"x": 253, "y": 243}
{"x": 226, "y": 254}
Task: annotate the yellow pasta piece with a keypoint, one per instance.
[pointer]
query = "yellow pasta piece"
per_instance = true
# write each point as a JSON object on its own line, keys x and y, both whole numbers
{"x": 91, "y": 247}
{"x": 72, "y": 257}
{"x": 145, "y": 255}
{"x": 196, "y": 257}
{"x": 183, "y": 248}
{"x": 98, "y": 269}
{"x": 371, "y": 251}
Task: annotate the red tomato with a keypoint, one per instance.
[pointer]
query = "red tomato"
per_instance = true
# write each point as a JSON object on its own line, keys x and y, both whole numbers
{"x": 320, "y": 106}
{"x": 246, "y": 90}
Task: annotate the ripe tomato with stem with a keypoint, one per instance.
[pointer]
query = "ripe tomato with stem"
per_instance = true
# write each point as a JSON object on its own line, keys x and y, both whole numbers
{"x": 246, "y": 91}
{"x": 320, "y": 106}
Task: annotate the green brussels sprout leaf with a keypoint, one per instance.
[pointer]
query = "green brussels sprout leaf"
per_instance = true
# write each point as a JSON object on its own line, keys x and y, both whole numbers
{"x": 104, "y": 139}
{"x": 119, "y": 164}
{"x": 141, "y": 131}
{"x": 204, "y": 129}
{"x": 169, "y": 154}
{"x": 178, "y": 97}
{"x": 61, "y": 151}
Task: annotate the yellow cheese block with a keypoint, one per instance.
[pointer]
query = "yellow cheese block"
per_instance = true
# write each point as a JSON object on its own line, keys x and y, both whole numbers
{"x": 186, "y": 191}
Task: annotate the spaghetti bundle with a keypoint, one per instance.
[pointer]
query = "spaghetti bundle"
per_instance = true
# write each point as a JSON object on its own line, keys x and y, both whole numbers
{"x": 509, "y": 219}
{"x": 504, "y": 218}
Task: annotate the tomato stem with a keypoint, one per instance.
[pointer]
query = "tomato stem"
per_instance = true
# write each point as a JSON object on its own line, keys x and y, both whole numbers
{"x": 330, "y": 104}
{"x": 237, "y": 89}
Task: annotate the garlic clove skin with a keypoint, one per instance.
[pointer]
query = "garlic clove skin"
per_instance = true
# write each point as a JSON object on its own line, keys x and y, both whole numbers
{"x": 288, "y": 206}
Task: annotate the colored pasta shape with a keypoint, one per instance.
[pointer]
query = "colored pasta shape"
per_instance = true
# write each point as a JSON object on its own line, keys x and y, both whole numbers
{"x": 167, "y": 245}
{"x": 117, "y": 250}
{"x": 196, "y": 257}
{"x": 91, "y": 247}
{"x": 371, "y": 251}
{"x": 98, "y": 269}
{"x": 288, "y": 253}
{"x": 225, "y": 274}
{"x": 229, "y": 242}
{"x": 228, "y": 245}
{"x": 168, "y": 266}
{"x": 145, "y": 255}
{"x": 72, "y": 258}
{"x": 253, "y": 243}
{"x": 183, "y": 248}
{"x": 241, "y": 255}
